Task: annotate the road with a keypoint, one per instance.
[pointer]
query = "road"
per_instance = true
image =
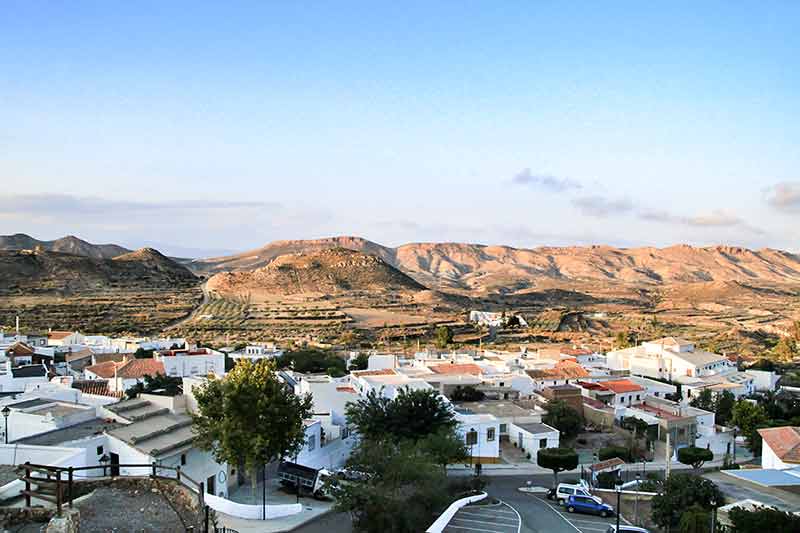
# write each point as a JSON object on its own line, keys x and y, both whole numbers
{"x": 180, "y": 322}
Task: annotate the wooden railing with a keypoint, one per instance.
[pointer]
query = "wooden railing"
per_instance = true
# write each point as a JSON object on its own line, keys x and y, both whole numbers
{"x": 58, "y": 482}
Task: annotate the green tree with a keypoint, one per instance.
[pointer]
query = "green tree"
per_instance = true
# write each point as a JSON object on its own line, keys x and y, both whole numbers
{"x": 444, "y": 337}
{"x": 694, "y": 456}
{"x": 704, "y": 401}
{"x": 680, "y": 492}
{"x": 141, "y": 353}
{"x": 169, "y": 386}
{"x": 622, "y": 340}
{"x": 360, "y": 362}
{"x": 786, "y": 349}
{"x": 444, "y": 447}
{"x": 723, "y": 409}
{"x": 749, "y": 417}
{"x": 467, "y": 394}
{"x": 761, "y": 519}
{"x": 413, "y": 414}
{"x": 250, "y": 418}
{"x": 403, "y": 491}
{"x": 557, "y": 460}
{"x": 564, "y": 418}
{"x": 313, "y": 362}
{"x": 695, "y": 520}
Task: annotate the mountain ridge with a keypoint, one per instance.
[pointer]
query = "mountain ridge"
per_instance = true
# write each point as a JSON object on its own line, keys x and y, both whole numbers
{"x": 491, "y": 268}
{"x": 68, "y": 244}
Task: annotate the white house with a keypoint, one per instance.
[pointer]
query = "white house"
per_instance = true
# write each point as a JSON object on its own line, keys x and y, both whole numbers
{"x": 254, "y": 352}
{"x": 386, "y": 382}
{"x": 668, "y": 358}
{"x": 481, "y": 433}
{"x": 780, "y": 447}
{"x": 125, "y": 374}
{"x": 532, "y": 437}
{"x": 189, "y": 363}
{"x": 64, "y": 338}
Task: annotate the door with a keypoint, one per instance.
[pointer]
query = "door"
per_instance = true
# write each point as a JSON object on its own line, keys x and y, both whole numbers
{"x": 114, "y": 464}
{"x": 211, "y": 485}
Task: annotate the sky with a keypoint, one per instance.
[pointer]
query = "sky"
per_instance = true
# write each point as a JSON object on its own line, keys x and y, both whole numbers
{"x": 205, "y": 127}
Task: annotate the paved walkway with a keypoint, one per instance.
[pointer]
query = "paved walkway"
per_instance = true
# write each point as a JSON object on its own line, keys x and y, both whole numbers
{"x": 278, "y": 525}
{"x": 498, "y": 518}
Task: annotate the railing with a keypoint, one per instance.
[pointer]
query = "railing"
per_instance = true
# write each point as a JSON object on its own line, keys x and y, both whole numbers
{"x": 60, "y": 480}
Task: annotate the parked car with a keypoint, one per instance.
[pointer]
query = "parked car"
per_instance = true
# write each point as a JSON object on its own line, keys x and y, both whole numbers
{"x": 551, "y": 494}
{"x": 589, "y": 504}
{"x": 627, "y": 529}
{"x": 565, "y": 490}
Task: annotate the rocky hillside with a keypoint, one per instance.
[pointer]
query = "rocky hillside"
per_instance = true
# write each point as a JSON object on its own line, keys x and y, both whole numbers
{"x": 476, "y": 267}
{"x": 68, "y": 245}
{"x": 40, "y": 272}
{"x": 332, "y": 271}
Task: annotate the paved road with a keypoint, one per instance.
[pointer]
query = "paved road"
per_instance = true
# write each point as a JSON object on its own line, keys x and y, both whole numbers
{"x": 497, "y": 518}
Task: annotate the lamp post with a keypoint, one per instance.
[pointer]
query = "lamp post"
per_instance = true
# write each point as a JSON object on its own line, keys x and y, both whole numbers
{"x": 636, "y": 505}
{"x": 104, "y": 462}
{"x": 713, "y": 503}
{"x": 734, "y": 445}
{"x": 618, "y": 489}
{"x": 6, "y": 411}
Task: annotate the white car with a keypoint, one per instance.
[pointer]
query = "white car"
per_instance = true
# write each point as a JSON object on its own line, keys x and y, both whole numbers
{"x": 565, "y": 490}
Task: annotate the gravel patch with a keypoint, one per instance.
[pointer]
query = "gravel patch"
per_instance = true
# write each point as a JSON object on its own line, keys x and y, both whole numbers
{"x": 124, "y": 510}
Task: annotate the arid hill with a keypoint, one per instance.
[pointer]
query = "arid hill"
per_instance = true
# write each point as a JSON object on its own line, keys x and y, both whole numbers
{"x": 334, "y": 271}
{"x": 40, "y": 272}
{"x": 68, "y": 245}
{"x": 489, "y": 269}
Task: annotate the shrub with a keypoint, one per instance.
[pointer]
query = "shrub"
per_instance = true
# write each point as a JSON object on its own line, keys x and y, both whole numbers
{"x": 614, "y": 451}
{"x": 607, "y": 480}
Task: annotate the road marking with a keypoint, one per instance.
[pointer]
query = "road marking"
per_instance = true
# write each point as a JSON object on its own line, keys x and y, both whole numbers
{"x": 519, "y": 526}
{"x": 489, "y": 510}
{"x": 562, "y": 516}
{"x": 484, "y": 516}
{"x": 480, "y": 521}
{"x": 473, "y": 529}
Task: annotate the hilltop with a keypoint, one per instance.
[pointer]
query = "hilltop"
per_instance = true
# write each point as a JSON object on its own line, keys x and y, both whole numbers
{"x": 333, "y": 271}
{"x": 68, "y": 245}
{"x": 487, "y": 269}
{"x": 28, "y": 272}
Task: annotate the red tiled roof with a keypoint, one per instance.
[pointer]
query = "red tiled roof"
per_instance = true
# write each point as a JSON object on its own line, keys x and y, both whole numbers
{"x": 104, "y": 369}
{"x": 621, "y": 386}
{"x": 346, "y": 389}
{"x": 576, "y": 351}
{"x": 591, "y": 402}
{"x": 58, "y": 335}
{"x": 590, "y": 386}
{"x": 467, "y": 368}
{"x": 784, "y": 442}
{"x": 97, "y": 387}
{"x": 608, "y": 464}
{"x": 139, "y": 368}
{"x": 380, "y": 372}
{"x": 20, "y": 348}
{"x": 562, "y": 370}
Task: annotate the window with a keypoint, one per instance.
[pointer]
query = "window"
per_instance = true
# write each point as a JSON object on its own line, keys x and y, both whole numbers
{"x": 542, "y": 443}
{"x": 99, "y": 450}
{"x": 621, "y": 399}
{"x": 472, "y": 437}
{"x": 183, "y": 459}
{"x": 490, "y": 434}
{"x": 312, "y": 443}
{"x": 637, "y": 397}
{"x": 503, "y": 428}
{"x": 502, "y": 383}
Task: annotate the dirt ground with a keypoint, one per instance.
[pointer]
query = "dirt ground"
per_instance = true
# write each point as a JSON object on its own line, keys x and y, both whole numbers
{"x": 122, "y": 510}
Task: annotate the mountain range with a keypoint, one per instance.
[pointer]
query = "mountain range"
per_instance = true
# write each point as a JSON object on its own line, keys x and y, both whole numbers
{"x": 477, "y": 268}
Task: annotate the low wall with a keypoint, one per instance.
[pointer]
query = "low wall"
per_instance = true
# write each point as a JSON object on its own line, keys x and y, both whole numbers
{"x": 251, "y": 512}
{"x": 441, "y": 522}
{"x": 18, "y": 454}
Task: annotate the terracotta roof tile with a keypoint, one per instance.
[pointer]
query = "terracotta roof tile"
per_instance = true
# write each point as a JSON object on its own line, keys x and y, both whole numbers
{"x": 562, "y": 370}
{"x": 139, "y": 368}
{"x": 104, "y": 369}
{"x": 784, "y": 442}
{"x": 380, "y": 372}
{"x": 467, "y": 368}
{"x": 621, "y": 386}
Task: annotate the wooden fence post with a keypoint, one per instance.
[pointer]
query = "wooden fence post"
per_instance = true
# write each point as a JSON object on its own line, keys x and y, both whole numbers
{"x": 154, "y": 470}
{"x": 58, "y": 491}
{"x": 69, "y": 486}
{"x": 201, "y": 495}
{"x": 27, "y": 484}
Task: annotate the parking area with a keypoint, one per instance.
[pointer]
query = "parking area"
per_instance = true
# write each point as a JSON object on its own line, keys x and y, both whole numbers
{"x": 585, "y": 523}
{"x": 495, "y": 518}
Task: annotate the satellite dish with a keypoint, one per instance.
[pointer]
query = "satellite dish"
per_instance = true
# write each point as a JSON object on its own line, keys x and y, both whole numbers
{"x": 222, "y": 476}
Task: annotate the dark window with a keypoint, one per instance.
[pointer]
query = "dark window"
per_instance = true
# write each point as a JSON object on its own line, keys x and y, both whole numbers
{"x": 490, "y": 434}
{"x": 183, "y": 459}
{"x": 542, "y": 443}
{"x": 99, "y": 450}
{"x": 472, "y": 438}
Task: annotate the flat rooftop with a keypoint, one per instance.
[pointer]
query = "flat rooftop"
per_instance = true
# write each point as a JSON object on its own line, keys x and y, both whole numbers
{"x": 536, "y": 429}
{"x": 498, "y": 408}
{"x": 83, "y": 430}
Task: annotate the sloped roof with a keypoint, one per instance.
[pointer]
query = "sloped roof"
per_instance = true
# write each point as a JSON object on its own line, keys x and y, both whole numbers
{"x": 59, "y": 335}
{"x": 139, "y": 368}
{"x": 104, "y": 369}
{"x": 97, "y": 387}
{"x": 29, "y": 371}
{"x": 784, "y": 442}
{"x": 562, "y": 370}
{"x": 466, "y": 368}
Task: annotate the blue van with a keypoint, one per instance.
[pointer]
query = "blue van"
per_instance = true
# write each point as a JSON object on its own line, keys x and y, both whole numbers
{"x": 589, "y": 504}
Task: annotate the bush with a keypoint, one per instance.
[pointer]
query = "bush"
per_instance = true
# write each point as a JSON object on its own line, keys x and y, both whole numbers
{"x": 607, "y": 480}
{"x": 614, "y": 451}
{"x": 582, "y": 441}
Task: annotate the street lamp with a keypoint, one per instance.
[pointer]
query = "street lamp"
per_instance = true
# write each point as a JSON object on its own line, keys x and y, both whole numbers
{"x": 636, "y": 506}
{"x": 713, "y": 503}
{"x": 618, "y": 489}
{"x": 6, "y": 411}
{"x": 104, "y": 462}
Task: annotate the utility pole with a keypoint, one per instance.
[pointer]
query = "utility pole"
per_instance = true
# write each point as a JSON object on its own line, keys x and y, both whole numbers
{"x": 668, "y": 458}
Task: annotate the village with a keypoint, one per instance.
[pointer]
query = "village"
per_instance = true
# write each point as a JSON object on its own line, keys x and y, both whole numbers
{"x": 91, "y": 409}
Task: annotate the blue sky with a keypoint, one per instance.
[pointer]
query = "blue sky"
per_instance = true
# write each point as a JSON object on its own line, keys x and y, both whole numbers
{"x": 216, "y": 126}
